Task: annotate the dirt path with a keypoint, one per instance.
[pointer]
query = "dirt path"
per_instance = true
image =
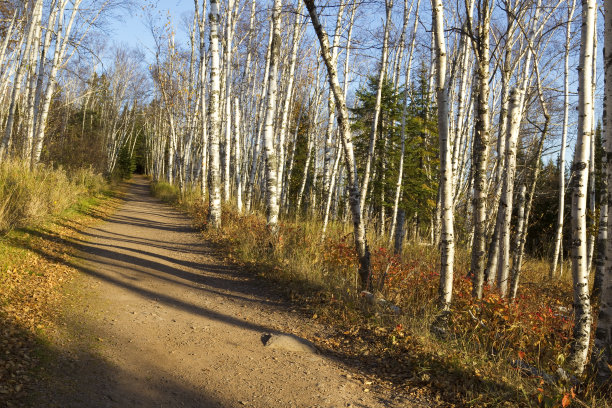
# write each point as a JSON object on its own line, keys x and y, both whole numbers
{"x": 156, "y": 321}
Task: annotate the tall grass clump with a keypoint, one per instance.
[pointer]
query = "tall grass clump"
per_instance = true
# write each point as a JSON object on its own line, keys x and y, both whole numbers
{"x": 166, "y": 192}
{"x": 28, "y": 196}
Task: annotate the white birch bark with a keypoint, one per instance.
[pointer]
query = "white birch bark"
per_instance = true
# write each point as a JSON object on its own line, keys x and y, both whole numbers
{"x": 377, "y": 105}
{"x": 398, "y": 187}
{"x": 361, "y": 245}
{"x": 480, "y": 147}
{"x": 566, "y": 103}
{"x": 514, "y": 120}
{"x": 602, "y": 234}
{"x": 447, "y": 239}
{"x": 227, "y": 59}
{"x": 201, "y": 19}
{"x": 582, "y": 306}
{"x": 19, "y": 74}
{"x": 257, "y": 137}
{"x": 591, "y": 221}
{"x": 602, "y": 349}
{"x": 519, "y": 242}
{"x": 327, "y": 160}
{"x": 272, "y": 202}
{"x": 214, "y": 189}
{"x": 297, "y": 35}
{"x": 237, "y": 155}
{"x": 62, "y": 40}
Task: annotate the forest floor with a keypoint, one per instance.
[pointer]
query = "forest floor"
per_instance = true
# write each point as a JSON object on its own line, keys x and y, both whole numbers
{"x": 156, "y": 318}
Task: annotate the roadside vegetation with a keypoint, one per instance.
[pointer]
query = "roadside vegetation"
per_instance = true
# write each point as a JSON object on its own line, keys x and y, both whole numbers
{"x": 39, "y": 209}
{"x": 28, "y": 197}
{"x": 494, "y": 352}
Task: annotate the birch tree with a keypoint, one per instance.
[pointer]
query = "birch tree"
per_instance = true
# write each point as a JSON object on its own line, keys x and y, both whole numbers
{"x": 582, "y": 306}
{"x": 602, "y": 349}
{"x": 447, "y": 241}
{"x": 566, "y": 95}
{"x": 480, "y": 148}
{"x": 361, "y": 245}
{"x": 377, "y": 105}
{"x": 272, "y": 199}
{"x": 514, "y": 119}
{"x": 214, "y": 189}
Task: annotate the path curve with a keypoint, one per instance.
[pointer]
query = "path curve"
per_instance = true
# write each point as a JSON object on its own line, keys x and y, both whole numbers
{"x": 171, "y": 326}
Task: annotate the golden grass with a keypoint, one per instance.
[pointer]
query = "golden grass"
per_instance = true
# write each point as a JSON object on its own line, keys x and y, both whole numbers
{"x": 30, "y": 196}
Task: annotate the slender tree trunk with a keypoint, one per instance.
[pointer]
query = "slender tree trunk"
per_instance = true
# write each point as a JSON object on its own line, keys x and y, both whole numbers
{"x": 447, "y": 242}
{"x": 272, "y": 208}
{"x": 592, "y": 222}
{"x": 602, "y": 349}
{"x": 257, "y": 137}
{"x": 202, "y": 94}
{"x": 61, "y": 42}
{"x": 21, "y": 71}
{"x": 602, "y": 235}
{"x": 398, "y": 186}
{"x": 377, "y": 104}
{"x": 480, "y": 149}
{"x": 286, "y": 108}
{"x": 514, "y": 119}
{"x": 238, "y": 156}
{"x": 519, "y": 242}
{"x": 214, "y": 177}
{"x": 566, "y": 103}
{"x": 361, "y": 245}
{"x": 582, "y": 306}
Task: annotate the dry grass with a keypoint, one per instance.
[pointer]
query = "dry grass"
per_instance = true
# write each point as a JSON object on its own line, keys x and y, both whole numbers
{"x": 34, "y": 269}
{"x": 30, "y": 196}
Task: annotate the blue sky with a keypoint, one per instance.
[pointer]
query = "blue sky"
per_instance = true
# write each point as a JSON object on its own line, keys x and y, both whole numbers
{"x": 133, "y": 29}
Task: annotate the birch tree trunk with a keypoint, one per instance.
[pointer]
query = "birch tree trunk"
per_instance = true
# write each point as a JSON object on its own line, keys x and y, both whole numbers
{"x": 602, "y": 235}
{"x": 480, "y": 148}
{"x": 237, "y": 155}
{"x": 257, "y": 136}
{"x": 519, "y": 242}
{"x": 566, "y": 103}
{"x": 227, "y": 59}
{"x": 361, "y": 246}
{"x": 214, "y": 176}
{"x": 377, "y": 104}
{"x": 288, "y": 97}
{"x": 447, "y": 241}
{"x": 398, "y": 187}
{"x": 61, "y": 42}
{"x": 21, "y": 71}
{"x": 592, "y": 193}
{"x": 582, "y": 306}
{"x": 272, "y": 208}
{"x": 514, "y": 119}
{"x": 602, "y": 349}
{"x": 202, "y": 93}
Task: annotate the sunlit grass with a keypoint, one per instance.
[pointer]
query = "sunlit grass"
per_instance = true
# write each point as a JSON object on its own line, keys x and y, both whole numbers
{"x": 30, "y": 196}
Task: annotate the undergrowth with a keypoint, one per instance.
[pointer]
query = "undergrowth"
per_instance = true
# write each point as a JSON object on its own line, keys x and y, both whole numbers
{"x": 33, "y": 263}
{"x": 494, "y": 353}
{"x": 30, "y": 196}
